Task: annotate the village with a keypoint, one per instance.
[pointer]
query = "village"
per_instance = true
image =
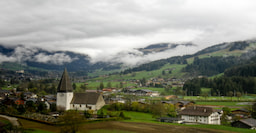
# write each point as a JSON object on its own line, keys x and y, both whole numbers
{"x": 168, "y": 109}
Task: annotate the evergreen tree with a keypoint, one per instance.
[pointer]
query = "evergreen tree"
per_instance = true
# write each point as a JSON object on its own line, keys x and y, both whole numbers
{"x": 101, "y": 85}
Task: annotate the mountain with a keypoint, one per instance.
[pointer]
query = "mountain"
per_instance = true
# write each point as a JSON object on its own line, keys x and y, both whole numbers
{"x": 22, "y": 57}
{"x": 32, "y": 58}
{"x": 207, "y": 62}
{"x": 36, "y": 59}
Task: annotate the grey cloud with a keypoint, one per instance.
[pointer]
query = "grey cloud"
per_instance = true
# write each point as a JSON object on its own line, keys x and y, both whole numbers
{"x": 108, "y": 27}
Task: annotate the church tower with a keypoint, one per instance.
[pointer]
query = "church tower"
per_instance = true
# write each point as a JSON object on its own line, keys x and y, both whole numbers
{"x": 64, "y": 92}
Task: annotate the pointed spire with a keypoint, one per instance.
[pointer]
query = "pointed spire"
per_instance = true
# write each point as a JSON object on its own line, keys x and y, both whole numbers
{"x": 65, "y": 83}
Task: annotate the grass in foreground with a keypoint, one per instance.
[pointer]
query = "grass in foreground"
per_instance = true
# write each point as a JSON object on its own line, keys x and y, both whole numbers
{"x": 145, "y": 120}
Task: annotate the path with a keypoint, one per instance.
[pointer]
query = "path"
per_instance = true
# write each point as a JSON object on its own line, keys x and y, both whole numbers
{"x": 13, "y": 120}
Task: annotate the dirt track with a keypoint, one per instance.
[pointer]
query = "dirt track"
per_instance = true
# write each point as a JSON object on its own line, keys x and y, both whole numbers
{"x": 13, "y": 120}
{"x": 146, "y": 128}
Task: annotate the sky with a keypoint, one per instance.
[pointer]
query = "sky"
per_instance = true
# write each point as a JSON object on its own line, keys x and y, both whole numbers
{"x": 105, "y": 28}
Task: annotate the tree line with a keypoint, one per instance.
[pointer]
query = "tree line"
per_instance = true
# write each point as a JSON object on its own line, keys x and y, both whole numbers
{"x": 221, "y": 86}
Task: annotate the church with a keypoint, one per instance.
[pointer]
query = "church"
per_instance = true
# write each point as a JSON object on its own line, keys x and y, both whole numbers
{"x": 68, "y": 100}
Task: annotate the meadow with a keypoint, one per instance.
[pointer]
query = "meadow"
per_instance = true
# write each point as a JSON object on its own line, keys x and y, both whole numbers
{"x": 139, "y": 122}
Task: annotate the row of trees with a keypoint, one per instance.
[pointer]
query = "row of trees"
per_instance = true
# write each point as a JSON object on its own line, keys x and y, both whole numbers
{"x": 226, "y": 86}
{"x": 157, "y": 109}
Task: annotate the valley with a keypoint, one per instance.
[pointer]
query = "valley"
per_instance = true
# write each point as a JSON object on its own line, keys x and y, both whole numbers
{"x": 221, "y": 77}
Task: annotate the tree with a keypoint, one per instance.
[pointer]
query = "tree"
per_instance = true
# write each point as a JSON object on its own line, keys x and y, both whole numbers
{"x": 170, "y": 109}
{"x": 71, "y": 119}
{"x": 83, "y": 87}
{"x": 109, "y": 85}
{"x": 205, "y": 95}
{"x": 88, "y": 113}
{"x": 74, "y": 86}
{"x": 143, "y": 81}
{"x": 30, "y": 106}
{"x": 121, "y": 85}
{"x": 101, "y": 85}
{"x": 163, "y": 72}
{"x": 238, "y": 95}
{"x": 230, "y": 94}
{"x": 224, "y": 117}
{"x": 21, "y": 109}
{"x": 158, "y": 110}
{"x": 253, "y": 111}
{"x": 170, "y": 72}
{"x": 41, "y": 107}
{"x": 53, "y": 107}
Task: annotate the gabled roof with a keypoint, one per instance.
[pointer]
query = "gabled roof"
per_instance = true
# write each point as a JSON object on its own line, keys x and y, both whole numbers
{"x": 242, "y": 110}
{"x": 65, "y": 83}
{"x": 250, "y": 122}
{"x": 85, "y": 98}
{"x": 197, "y": 111}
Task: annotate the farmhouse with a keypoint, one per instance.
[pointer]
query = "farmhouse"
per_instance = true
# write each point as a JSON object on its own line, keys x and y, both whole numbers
{"x": 67, "y": 100}
{"x": 249, "y": 123}
{"x": 203, "y": 115}
{"x": 241, "y": 113}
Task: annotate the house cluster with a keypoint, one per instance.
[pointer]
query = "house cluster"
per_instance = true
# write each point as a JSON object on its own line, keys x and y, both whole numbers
{"x": 180, "y": 104}
{"x": 160, "y": 82}
{"x": 11, "y": 97}
{"x": 66, "y": 99}
{"x": 141, "y": 92}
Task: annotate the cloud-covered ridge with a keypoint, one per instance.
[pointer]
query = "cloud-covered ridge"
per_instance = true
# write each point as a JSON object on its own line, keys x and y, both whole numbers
{"x": 22, "y": 54}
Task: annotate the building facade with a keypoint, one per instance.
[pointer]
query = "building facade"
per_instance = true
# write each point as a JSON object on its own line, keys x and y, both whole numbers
{"x": 203, "y": 115}
{"x": 67, "y": 99}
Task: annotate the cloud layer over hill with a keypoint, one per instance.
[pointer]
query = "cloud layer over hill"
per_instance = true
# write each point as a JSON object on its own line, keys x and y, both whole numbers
{"x": 22, "y": 54}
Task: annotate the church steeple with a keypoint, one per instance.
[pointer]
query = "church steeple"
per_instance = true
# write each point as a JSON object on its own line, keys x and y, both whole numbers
{"x": 65, "y": 83}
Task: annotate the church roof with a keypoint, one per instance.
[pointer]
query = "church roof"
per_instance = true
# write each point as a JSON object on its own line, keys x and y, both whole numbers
{"x": 85, "y": 98}
{"x": 65, "y": 83}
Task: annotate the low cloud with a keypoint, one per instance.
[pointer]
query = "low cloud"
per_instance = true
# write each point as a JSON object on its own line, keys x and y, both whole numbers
{"x": 22, "y": 54}
{"x": 58, "y": 58}
{"x": 132, "y": 58}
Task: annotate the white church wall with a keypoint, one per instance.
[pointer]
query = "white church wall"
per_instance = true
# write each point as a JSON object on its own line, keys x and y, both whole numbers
{"x": 64, "y": 99}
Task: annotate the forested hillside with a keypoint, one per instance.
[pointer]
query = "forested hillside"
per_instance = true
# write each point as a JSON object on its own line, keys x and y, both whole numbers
{"x": 207, "y": 62}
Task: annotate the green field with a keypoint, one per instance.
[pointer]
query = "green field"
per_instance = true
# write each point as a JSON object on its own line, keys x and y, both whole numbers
{"x": 139, "y": 116}
{"x": 140, "y": 122}
{"x": 221, "y": 98}
{"x": 223, "y": 103}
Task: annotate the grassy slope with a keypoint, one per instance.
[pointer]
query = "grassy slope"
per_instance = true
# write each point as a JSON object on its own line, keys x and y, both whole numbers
{"x": 145, "y": 117}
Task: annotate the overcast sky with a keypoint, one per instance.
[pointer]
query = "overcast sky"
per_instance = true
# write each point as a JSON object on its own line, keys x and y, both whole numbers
{"x": 102, "y": 28}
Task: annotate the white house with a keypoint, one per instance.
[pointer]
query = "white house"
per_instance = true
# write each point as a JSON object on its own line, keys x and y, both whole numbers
{"x": 203, "y": 115}
{"x": 67, "y": 100}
